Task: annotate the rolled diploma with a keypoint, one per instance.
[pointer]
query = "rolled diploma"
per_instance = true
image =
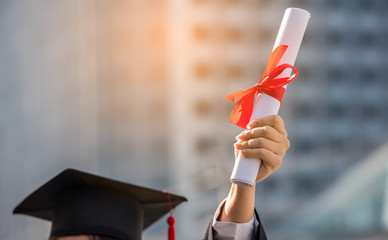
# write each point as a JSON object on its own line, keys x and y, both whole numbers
{"x": 291, "y": 32}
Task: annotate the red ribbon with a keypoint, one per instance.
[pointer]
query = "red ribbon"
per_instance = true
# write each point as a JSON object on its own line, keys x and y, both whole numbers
{"x": 170, "y": 219}
{"x": 268, "y": 84}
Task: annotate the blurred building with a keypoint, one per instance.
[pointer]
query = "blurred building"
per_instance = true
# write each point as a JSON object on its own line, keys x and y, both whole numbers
{"x": 335, "y": 111}
{"x": 83, "y": 85}
{"x": 354, "y": 207}
{"x": 133, "y": 90}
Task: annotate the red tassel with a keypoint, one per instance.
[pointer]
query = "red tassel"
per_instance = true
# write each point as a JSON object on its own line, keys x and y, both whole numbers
{"x": 170, "y": 219}
{"x": 171, "y": 228}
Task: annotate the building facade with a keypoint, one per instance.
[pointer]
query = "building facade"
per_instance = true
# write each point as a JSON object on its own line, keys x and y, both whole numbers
{"x": 133, "y": 90}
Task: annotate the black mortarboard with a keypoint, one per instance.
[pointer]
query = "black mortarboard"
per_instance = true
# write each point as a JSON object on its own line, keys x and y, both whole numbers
{"x": 81, "y": 203}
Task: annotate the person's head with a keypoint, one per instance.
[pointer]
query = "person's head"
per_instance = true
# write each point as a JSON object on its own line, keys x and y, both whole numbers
{"x": 83, "y": 237}
{"x": 82, "y": 206}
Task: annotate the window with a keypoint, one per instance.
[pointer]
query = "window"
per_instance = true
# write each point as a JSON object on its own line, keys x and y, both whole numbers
{"x": 367, "y": 39}
{"x": 262, "y": 3}
{"x": 234, "y": 34}
{"x": 369, "y": 111}
{"x": 367, "y": 76}
{"x": 204, "y": 144}
{"x": 234, "y": 1}
{"x": 202, "y": 70}
{"x": 201, "y": 33}
{"x": 365, "y": 5}
{"x": 335, "y": 75}
{"x": 305, "y": 74}
{"x": 303, "y": 109}
{"x": 304, "y": 184}
{"x": 303, "y": 144}
{"x": 266, "y": 35}
{"x": 202, "y": 108}
{"x": 300, "y": 3}
{"x": 234, "y": 71}
{"x": 202, "y": 1}
{"x": 333, "y": 4}
{"x": 334, "y": 38}
{"x": 337, "y": 110}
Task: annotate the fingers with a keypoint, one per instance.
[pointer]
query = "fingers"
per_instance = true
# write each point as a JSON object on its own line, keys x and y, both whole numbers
{"x": 264, "y": 132}
{"x": 274, "y": 121}
{"x": 270, "y": 159}
{"x": 278, "y": 148}
{"x": 265, "y": 136}
{"x": 266, "y": 139}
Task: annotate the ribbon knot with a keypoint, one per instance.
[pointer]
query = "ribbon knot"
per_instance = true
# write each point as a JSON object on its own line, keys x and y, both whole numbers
{"x": 268, "y": 84}
{"x": 258, "y": 88}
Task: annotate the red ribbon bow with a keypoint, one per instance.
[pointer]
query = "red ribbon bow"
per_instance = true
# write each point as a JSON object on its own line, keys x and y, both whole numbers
{"x": 268, "y": 84}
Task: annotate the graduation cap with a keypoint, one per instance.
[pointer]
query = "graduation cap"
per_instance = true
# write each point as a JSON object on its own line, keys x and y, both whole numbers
{"x": 79, "y": 203}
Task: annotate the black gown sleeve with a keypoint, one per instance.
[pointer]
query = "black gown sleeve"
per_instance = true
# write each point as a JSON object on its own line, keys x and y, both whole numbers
{"x": 258, "y": 235}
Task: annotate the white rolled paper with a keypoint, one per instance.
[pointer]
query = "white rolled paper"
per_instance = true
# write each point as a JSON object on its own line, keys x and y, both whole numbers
{"x": 291, "y": 33}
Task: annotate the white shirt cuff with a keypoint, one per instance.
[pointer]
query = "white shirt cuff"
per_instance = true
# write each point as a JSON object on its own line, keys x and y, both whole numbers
{"x": 231, "y": 230}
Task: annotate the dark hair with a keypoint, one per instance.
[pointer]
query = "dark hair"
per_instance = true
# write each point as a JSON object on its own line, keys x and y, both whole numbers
{"x": 91, "y": 237}
{"x": 103, "y": 238}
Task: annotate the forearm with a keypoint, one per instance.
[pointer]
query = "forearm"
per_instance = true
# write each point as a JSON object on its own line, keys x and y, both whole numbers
{"x": 239, "y": 206}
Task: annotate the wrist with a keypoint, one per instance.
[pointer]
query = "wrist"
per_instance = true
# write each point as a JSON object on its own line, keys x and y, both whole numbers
{"x": 239, "y": 206}
{"x": 242, "y": 193}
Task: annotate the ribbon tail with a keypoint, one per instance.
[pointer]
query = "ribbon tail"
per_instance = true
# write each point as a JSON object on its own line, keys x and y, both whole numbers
{"x": 239, "y": 94}
{"x": 274, "y": 58}
{"x": 242, "y": 112}
{"x": 277, "y": 93}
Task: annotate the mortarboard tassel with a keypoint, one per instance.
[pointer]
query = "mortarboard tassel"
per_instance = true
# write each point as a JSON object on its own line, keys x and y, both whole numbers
{"x": 171, "y": 228}
{"x": 170, "y": 219}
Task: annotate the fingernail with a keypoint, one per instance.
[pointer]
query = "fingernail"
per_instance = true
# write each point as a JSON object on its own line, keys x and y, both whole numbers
{"x": 243, "y": 152}
{"x": 241, "y": 136}
{"x": 238, "y": 145}
{"x": 251, "y": 125}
